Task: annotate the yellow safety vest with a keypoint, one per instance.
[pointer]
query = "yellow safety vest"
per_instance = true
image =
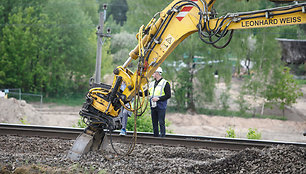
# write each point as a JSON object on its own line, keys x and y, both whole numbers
{"x": 159, "y": 89}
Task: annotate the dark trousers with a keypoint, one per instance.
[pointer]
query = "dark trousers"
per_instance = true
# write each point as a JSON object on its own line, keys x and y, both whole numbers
{"x": 158, "y": 116}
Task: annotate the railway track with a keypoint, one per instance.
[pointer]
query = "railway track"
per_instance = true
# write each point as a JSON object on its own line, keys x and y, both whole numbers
{"x": 144, "y": 138}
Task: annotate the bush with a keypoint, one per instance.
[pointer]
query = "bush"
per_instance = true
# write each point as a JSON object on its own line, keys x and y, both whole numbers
{"x": 80, "y": 123}
{"x": 230, "y": 133}
{"x": 144, "y": 123}
{"x": 253, "y": 134}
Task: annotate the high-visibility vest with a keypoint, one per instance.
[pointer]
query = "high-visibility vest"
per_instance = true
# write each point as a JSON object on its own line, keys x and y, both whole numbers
{"x": 159, "y": 89}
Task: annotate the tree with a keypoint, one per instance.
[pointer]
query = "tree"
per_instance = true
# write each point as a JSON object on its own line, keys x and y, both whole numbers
{"x": 118, "y": 9}
{"x": 8, "y": 7}
{"x": 107, "y": 65}
{"x": 48, "y": 47}
{"x": 20, "y": 60}
{"x": 141, "y": 11}
{"x": 259, "y": 47}
{"x": 192, "y": 66}
{"x": 283, "y": 89}
{"x": 122, "y": 44}
{"x": 184, "y": 76}
{"x": 71, "y": 45}
{"x": 265, "y": 62}
{"x": 90, "y": 9}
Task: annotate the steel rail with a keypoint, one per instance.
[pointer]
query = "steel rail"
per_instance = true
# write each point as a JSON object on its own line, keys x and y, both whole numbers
{"x": 42, "y": 131}
{"x": 144, "y": 138}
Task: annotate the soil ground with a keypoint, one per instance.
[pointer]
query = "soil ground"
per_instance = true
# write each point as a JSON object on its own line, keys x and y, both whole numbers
{"x": 17, "y": 112}
{"x": 217, "y": 126}
{"x": 290, "y": 130}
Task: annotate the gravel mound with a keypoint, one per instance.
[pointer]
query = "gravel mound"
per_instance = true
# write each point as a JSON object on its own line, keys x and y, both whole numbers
{"x": 46, "y": 155}
{"x": 279, "y": 159}
{"x": 15, "y": 111}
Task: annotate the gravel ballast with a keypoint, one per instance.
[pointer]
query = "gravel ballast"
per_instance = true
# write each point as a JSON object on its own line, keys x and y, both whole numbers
{"x": 38, "y": 155}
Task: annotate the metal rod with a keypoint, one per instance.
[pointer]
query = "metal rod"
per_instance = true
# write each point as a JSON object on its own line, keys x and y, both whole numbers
{"x": 127, "y": 62}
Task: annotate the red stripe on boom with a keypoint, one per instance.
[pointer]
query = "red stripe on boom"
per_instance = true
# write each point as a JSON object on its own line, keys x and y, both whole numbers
{"x": 179, "y": 18}
{"x": 186, "y": 8}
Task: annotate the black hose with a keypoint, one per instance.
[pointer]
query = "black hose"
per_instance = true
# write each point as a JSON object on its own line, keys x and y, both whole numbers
{"x": 227, "y": 42}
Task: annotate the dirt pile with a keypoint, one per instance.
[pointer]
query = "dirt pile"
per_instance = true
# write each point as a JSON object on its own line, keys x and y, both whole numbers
{"x": 17, "y": 112}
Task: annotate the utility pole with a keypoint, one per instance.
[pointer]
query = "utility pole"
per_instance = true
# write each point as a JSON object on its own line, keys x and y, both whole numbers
{"x": 100, "y": 35}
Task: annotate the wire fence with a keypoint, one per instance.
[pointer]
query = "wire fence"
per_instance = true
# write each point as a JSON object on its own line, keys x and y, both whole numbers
{"x": 16, "y": 92}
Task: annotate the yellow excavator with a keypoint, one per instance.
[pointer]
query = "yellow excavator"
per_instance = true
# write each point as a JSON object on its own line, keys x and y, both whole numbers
{"x": 156, "y": 41}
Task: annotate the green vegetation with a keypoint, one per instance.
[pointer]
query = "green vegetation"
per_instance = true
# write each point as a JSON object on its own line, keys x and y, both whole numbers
{"x": 72, "y": 100}
{"x": 80, "y": 123}
{"x": 283, "y": 89}
{"x": 253, "y": 134}
{"x": 243, "y": 107}
{"x": 224, "y": 100}
{"x": 301, "y": 82}
{"x": 49, "y": 47}
{"x": 227, "y": 113}
{"x": 298, "y": 69}
{"x": 45, "y": 50}
{"x": 24, "y": 121}
{"x": 144, "y": 123}
{"x": 230, "y": 133}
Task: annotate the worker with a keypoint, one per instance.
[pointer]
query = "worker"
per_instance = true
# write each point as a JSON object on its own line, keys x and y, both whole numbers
{"x": 124, "y": 114}
{"x": 160, "y": 92}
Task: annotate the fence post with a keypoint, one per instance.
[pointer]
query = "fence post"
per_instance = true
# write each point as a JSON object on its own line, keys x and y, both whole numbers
{"x": 41, "y": 100}
{"x": 19, "y": 93}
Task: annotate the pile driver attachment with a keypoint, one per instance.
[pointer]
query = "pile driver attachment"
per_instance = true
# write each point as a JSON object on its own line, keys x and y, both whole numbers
{"x": 98, "y": 123}
{"x": 87, "y": 141}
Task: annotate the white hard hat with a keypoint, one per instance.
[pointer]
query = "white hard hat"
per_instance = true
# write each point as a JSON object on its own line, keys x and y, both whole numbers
{"x": 159, "y": 69}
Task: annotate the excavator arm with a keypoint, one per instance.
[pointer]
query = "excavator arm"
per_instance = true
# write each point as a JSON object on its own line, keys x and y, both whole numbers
{"x": 280, "y": 16}
{"x": 179, "y": 20}
{"x": 156, "y": 41}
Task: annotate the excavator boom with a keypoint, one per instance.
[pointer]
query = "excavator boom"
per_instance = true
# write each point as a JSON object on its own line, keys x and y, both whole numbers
{"x": 156, "y": 41}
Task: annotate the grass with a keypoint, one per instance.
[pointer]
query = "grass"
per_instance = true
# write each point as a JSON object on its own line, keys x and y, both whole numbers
{"x": 79, "y": 99}
{"x": 236, "y": 113}
{"x": 300, "y": 82}
{"x": 66, "y": 101}
{"x": 69, "y": 100}
{"x": 228, "y": 113}
{"x": 74, "y": 100}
